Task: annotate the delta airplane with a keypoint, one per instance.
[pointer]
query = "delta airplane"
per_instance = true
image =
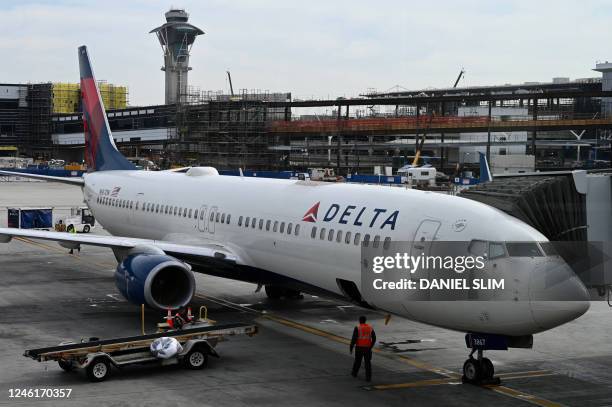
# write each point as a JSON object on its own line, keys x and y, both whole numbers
{"x": 305, "y": 236}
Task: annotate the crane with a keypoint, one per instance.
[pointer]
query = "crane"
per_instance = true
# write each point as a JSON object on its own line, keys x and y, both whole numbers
{"x": 229, "y": 77}
{"x": 461, "y": 73}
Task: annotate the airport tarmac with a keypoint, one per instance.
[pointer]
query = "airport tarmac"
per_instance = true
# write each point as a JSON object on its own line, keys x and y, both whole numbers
{"x": 299, "y": 357}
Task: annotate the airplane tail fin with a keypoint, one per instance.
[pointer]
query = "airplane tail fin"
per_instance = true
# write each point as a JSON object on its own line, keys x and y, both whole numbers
{"x": 485, "y": 171}
{"x": 101, "y": 154}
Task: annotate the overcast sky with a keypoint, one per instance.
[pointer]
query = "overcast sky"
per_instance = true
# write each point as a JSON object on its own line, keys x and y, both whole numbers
{"x": 319, "y": 48}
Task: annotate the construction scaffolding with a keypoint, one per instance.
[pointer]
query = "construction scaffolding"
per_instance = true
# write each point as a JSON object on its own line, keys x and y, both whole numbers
{"x": 67, "y": 96}
{"x": 225, "y": 131}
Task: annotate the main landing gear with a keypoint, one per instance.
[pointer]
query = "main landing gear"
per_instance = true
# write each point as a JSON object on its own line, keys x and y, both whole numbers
{"x": 480, "y": 370}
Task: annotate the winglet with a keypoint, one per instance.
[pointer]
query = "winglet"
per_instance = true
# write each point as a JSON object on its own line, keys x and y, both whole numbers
{"x": 101, "y": 154}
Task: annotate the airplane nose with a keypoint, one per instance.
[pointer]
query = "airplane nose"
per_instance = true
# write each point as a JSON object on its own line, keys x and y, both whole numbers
{"x": 556, "y": 295}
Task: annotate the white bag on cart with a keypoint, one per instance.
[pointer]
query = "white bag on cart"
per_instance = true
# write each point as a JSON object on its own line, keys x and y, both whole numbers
{"x": 165, "y": 347}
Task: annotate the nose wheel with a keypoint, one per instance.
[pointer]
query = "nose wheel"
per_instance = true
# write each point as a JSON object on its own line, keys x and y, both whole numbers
{"x": 479, "y": 370}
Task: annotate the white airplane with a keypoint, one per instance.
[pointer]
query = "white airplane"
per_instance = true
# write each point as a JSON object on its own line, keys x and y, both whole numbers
{"x": 293, "y": 236}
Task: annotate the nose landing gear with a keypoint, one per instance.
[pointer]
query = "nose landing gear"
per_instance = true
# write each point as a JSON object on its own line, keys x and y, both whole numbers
{"x": 479, "y": 370}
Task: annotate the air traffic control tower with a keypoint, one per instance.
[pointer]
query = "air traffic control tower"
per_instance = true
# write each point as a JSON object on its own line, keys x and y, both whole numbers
{"x": 176, "y": 38}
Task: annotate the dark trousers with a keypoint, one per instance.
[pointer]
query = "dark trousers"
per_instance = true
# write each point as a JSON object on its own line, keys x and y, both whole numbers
{"x": 366, "y": 354}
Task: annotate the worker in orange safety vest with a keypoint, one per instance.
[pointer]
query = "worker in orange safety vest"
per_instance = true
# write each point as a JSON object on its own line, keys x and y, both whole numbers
{"x": 363, "y": 341}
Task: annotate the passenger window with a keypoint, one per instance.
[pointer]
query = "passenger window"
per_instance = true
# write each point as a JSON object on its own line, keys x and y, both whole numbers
{"x": 175, "y": 210}
{"x": 496, "y": 250}
{"x": 190, "y": 211}
{"x": 387, "y": 243}
{"x": 275, "y": 228}
{"x": 157, "y": 208}
{"x": 261, "y": 223}
{"x": 313, "y": 232}
{"x": 339, "y": 237}
{"x": 366, "y": 240}
{"x": 137, "y": 202}
{"x": 210, "y": 218}
{"x": 223, "y": 218}
{"x": 202, "y": 215}
{"x": 523, "y": 249}
{"x": 180, "y": 212}
{"x": 347, "y": 238}
{"x": 240, "y": 220}
{"x": 282, "y": 227}
{"x": 289, "y": 228}
{"x": 268, "y": 224}
{"x": 254, "y": 223}
{"x": 330, "y": 235}
{"x": 195, "y": 214}
{"x": 227, "y": 220}
{"x": 376, "y": 241}
{"x": 322, "y": 234}
{"x": 297, "y": 229}
{"x": 217, "y": 217}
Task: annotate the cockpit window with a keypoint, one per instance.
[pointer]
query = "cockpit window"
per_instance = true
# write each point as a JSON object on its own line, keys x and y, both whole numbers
{"x": 523, "y": 249}
{"x": 549, "y": 249}
{"x": 477, "y": 247}
{"x": 496, "y": 250}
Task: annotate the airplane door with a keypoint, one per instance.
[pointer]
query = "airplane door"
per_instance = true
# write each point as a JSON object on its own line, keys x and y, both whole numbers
{"x": 211, "y": 219}
{"x": 423, "y": 237}
{"x": 202, "y": 219}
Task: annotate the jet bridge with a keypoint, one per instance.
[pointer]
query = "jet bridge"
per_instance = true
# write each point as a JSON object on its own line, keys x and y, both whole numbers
{"x": 573, "y": 209}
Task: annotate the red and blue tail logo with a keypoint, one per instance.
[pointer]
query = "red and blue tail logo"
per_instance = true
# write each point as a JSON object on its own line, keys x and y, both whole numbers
{"x": 101, "y": 154}
{"x": 311, "y": 215}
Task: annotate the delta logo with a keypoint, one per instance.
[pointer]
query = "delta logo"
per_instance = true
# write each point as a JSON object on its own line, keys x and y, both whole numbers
{"x": 355, "y": 215}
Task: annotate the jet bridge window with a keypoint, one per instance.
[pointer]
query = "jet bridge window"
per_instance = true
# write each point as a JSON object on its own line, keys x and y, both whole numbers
{"x": 313, "y": 232}
{"x": 268, "y": 223}
{"x": 523, "y": 249}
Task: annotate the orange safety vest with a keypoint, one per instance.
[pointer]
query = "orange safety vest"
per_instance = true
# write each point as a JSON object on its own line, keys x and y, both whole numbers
{"x": 364, "y": 335}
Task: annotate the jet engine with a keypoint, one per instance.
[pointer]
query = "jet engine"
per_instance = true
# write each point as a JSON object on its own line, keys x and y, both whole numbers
{"x": 158, "y": 280}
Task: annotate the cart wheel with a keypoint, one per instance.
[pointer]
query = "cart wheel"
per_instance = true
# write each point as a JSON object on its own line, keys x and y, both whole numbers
{"x": 98, "y": 370}
{"x": 66, "y": 365}
{"x": 196, "y": 359}
{"x": 70, "y": 228}
{"x": 86, "y": 229}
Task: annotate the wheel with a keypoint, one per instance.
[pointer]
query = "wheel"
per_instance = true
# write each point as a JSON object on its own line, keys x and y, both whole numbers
{"x": 86, "y": 229}
{"x": 66, "y": 365}
{"x": 196, "y": 359}
{"x": 471, "y": 370}
{"x": 273, "y": 292}
{"x": 70, "y": 229}
{"x": 98, "y": 370}
{"x": 487, "y": 368}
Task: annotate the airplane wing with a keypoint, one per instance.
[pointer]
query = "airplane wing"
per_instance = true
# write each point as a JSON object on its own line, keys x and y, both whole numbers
{"x": 208, "y": 250}
{"x": 64, "y": 180}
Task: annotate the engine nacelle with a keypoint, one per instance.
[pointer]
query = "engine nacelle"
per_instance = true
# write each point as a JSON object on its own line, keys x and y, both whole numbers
{"x": 158, "y": 280}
